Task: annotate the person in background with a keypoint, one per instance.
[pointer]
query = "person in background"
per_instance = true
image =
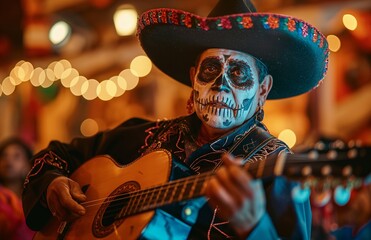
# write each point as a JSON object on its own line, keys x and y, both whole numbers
{"x": 15, "y": 157}
{"x": 234, "y": 60}
{"x": 15, "y": 163}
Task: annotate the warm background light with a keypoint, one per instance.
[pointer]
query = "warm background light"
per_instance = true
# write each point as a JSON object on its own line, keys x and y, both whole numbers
{"x": 49, "y": 78}
{"x": 67, "y": 76}
{"x": 120, "y": 85}
{"x": 350, "y": 22}
{"x": 106, "y": 90}
{"x": 125, "y": 20}
{"x": 59, "y": 32}
{"x": 334, "y": 43}
{"x": 89, "y": 127}
{"x": 288, "y": 136}
{"x": 7, "y": 86}
{"x": 76, "y": 85}
{"x": 90, "y": 89}
{"x": 141, "y": 66}
{"x": 131, "y": 79}
{"x": 37, "y": 77}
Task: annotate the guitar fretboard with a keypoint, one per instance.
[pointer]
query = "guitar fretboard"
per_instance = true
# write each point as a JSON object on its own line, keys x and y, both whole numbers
{"x": 180, "y": 190}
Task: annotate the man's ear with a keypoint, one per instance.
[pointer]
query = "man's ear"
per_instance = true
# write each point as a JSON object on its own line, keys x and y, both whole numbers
{"x": 192, "y": 73}
{"x": 264, "y": 88}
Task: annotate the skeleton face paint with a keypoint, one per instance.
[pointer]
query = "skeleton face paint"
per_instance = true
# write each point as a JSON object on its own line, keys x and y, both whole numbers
{"x": 225, "y": 88}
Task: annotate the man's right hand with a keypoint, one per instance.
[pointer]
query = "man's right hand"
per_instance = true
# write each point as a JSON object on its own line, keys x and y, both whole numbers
{"x": 63, "y": 197}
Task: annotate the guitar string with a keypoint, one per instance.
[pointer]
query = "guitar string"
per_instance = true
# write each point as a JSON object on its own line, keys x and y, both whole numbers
{"x": 200, "y": 178}
{"x": 252, "y": 166}
{"x": 115, "y": 208}
{"x": 140, "y": 192}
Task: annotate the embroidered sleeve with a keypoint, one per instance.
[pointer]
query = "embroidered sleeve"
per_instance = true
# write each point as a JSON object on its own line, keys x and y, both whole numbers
{"x": 49, "y": 159}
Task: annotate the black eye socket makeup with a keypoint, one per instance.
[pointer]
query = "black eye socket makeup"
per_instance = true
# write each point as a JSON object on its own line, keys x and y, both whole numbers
{"x": 239, "y": 72}
{"x": 210, "y": 69}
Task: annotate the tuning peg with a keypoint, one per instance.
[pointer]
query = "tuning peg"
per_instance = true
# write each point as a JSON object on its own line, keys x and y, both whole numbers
{"x": 313, "y": 154}
{"x": 326, "y": 170}
{"x": 320, "y": 145}
{"x": 338, "y": 144}
{"x": 352, "y": 153}
{"x": 354, "y": 143}
{"x": 332, "y": 154}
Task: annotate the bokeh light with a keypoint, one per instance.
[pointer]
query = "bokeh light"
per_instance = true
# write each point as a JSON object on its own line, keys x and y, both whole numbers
{"x": 59, "y": 32}
{"x": 37, "y": 77}
{"x": 7, "y": 86}
{"x": 106, "y": 90}
{"x": 131, "y": 79}
{"x": 350, "y": 22}
{"x": 288, "y": 136}
{"x": 334, "y": 43}
{"x": 120, "y": 85}
{"x": 90, "y": 89}
{"x": 67, "y": 76}
{"x": 141, "y": 66}
{"x": 76, "y": 85}
{"x": 125, "y": 20}
{"x": 89, "y": 127}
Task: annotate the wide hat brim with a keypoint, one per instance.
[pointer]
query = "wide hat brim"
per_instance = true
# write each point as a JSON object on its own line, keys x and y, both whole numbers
{"x": 295, "y": 53}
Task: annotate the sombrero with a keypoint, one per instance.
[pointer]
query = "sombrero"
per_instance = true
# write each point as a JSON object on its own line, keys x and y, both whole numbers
{"x": 295, "y": 53}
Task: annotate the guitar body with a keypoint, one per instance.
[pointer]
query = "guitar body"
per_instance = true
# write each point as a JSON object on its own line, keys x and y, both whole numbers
{"x": 99, "y": 178}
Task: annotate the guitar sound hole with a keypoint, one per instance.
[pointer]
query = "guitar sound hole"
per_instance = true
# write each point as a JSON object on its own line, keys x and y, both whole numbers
{"x": 114, "y": 208}
{"x": 107, "y": 217}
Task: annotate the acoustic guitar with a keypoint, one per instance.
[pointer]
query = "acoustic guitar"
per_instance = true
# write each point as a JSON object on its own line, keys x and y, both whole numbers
{"x": 123, "y": 200}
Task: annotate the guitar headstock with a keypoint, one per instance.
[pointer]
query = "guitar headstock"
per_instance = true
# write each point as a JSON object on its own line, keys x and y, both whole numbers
{"x": 334, "y": 167}
{"x": 341, "y": 162}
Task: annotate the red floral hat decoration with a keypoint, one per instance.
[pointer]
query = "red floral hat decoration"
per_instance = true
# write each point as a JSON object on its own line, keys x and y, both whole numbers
{"x": 295, "y": 53}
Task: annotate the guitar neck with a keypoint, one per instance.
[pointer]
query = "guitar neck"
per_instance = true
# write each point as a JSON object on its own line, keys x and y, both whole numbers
{"x": 186, "y": 188}
{"x": 292, "y": 166}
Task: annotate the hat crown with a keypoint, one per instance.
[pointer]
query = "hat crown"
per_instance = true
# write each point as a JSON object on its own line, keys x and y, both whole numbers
{"x": 229, "y": 7}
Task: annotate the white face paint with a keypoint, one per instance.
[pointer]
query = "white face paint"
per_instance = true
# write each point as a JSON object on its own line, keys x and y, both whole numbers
{"x": 226, "y": 85}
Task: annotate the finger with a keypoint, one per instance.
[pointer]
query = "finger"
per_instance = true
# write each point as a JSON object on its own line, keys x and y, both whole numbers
{"x": 64, "y": 214}
{"x": 76, "y": 191}
{"x": 229, "y": 159}
{"x": 224, "y": 179}
{"x": 220, "y": 198}
{"x": 241, "y": 179}
{"x": 69, "y": 203}
{"x": 238, "y": 175}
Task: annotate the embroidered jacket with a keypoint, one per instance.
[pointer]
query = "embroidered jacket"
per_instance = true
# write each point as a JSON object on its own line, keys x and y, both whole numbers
{"x": 195, "y": 219}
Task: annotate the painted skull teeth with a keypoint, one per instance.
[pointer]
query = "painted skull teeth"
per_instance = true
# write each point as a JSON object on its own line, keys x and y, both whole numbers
{"x": 218, "y": 102}
{"x": 217, "y": 105}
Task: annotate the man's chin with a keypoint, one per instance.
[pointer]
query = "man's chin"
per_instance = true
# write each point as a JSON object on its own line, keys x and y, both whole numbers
{"x": 218, "y": 122}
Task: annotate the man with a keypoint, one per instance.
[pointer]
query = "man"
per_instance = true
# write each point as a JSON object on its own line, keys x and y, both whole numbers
{"x": 226, "y": 59}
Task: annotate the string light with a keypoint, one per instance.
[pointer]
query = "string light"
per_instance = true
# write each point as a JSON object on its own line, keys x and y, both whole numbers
{"x": 70, "y": 78}
{"x": 130, "y": 77}
{"x": 141, "y": 66}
